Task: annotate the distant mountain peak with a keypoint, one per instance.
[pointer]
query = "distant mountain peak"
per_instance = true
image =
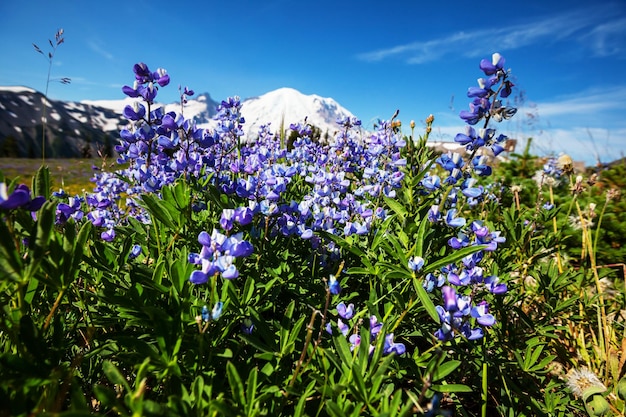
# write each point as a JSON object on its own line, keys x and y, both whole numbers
{"x": 287, "y": 105}
{"x": 90, "y": 124}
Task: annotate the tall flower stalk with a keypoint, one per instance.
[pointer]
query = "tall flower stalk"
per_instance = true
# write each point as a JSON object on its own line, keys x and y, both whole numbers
{"x": 58, "y": 40}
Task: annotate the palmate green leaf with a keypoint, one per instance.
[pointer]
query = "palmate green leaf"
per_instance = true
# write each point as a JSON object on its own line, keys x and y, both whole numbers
{"x": 381, "y": 234}
{"x": 180, "y": 271}
{"x": 78, "y": 250}
{"x": 343, "y": 350}
{"x": 107, "y": 396}
{"x": 348, "y": 245}
{"x": 445, "y": 369}
{"x": 182, "y": 195}
{"x": 357, "y": 387}
{"x": 159, "y": 210}
{"x": 452, "y": 258}
{"x": 396, "y": 207}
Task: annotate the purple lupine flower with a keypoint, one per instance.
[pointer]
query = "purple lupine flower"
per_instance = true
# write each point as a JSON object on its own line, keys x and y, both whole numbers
{"x": 226, "y": 220}
{"x": 375, "y": 327}
{"x": 391, "y": 347}
{"x": 19, "y": 198}
{"x": 225, "y": 264}
{"x": 345, "y": 312}
{"x": 135, "y": 112}
{"x": 415, "y": 263}
{"x": 135, "y": 251}
{"x": 492, "y": 283}
{"x": 216, "y": 312}
{"x": 206, "y": 316}
{"x": 343, "y": 328}
{"x": 333, "y": 285}
{"x": 491, "y": 67}
{"x": 355, "y": 341}
{"x": 449, "y": 298}
{"x": 243, "y": 215}
{"x": 198, "y": 277}
{"x": 452, "y": 220}
{"x": 481, "y": 314}
{"x": 247, "y": 326}
{"x": 431, "y": 281}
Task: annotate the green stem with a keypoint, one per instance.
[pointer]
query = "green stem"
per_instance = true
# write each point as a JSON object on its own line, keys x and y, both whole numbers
{"x": 57, "y": 302}
{"x": 484, "y": 384}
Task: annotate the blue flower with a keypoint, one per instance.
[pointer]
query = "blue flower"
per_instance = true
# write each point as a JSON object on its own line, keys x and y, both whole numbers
{"x": 415, "y": 263}
{"x": 391, "y": 347}
{"x": 135, "y": 251}
{"x": 19, "y": 198}
{"x": 333, "y": 285}
{"x": 345, "y": 312}
{"x": 247, "y": 326}
{"x": 481, "y": 313}
{"x": 491, "y": 67}
{"x": 205, "y": 313}
{"x": 216, "y": 312}
{"x": 452, "y": 220}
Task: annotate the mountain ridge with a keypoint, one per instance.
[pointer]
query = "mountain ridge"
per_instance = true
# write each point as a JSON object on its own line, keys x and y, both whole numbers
{"x": 85, "y": 128}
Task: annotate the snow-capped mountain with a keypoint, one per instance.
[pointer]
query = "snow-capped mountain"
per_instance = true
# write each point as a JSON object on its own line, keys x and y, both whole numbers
{"x": 76, "y": 129}
{"x": 285, "y": 106}
{"x": 278, "y": 108}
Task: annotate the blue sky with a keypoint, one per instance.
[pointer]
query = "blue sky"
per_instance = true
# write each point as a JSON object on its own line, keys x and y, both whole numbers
{"x": 373, "y": 57}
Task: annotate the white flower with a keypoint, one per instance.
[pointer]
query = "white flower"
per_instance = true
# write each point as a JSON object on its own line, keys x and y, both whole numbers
{"x": 579, "y": 380}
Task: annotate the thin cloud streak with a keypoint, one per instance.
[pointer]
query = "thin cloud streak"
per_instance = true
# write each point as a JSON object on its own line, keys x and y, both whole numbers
{"x": 547, "y": 30}
{"x": 100, "y": 51}
{"x": 588, "y": 102}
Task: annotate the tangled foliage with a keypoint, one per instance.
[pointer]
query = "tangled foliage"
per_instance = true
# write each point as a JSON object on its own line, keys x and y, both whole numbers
{"x": 360, "y": 276}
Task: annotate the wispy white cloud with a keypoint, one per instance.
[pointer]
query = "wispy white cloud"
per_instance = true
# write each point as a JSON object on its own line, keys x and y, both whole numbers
{"x": 97, "y": 48}
{"x": 582, "y": 144}
{"x": 594, "y": 29}
{"x": 607, "y": 39}
{"x": 590, "y": 102}
{"x": 584, "y": 125}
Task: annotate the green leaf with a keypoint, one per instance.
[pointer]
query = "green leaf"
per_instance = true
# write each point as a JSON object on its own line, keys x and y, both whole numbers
{"x": 236, "y": 386}
{"x": 182, "y": 195}
{"x": 358, "y": 387}
{"x": 421, "y": 235}
{"x": 114, "y": 375}
{"x": 10, "y": 259}
{"x": 158, "y": 210}
{"x": 343, "y": 350}
{"x": 452, "y": 258}
{"x": 251, "y": 390}
{"x": 425, "y": 299}
{"x": 396, "y": 207}
{"x": 445, "y": 369}
{"x": 41, "y": 182}
{"x": 106, "y": 395}
{"x": 451, "y": 388}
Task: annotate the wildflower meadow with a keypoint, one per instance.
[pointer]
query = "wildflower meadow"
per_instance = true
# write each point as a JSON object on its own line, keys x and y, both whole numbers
{"x": 210, "y": 275}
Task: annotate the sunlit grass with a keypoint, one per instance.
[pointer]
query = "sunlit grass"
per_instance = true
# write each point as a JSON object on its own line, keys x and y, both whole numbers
{"x": 71, "y": 175}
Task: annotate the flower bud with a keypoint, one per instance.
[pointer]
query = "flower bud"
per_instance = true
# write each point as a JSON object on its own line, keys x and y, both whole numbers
{"x": 565, "y": 163}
